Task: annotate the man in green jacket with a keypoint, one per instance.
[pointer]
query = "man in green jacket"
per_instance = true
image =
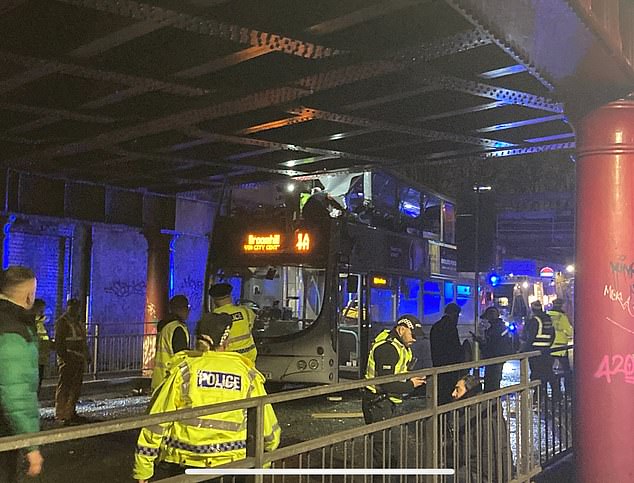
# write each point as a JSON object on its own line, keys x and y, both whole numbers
{"x": 19, "y": 411}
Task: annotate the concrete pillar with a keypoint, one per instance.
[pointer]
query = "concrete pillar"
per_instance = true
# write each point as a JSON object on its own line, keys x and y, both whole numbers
{"x": 157, "y": 288}
{"x": 604, "y": 295}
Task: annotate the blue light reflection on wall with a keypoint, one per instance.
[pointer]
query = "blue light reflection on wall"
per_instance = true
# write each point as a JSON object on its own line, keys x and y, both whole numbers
{"x": 6, "y": 229}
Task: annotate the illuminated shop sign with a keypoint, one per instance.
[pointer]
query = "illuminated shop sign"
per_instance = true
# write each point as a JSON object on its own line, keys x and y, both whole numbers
{"x": 263, "y": 243}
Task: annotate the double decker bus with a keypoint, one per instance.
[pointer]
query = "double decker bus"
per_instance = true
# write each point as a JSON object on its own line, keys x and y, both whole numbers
{"x": 329, "y": 260}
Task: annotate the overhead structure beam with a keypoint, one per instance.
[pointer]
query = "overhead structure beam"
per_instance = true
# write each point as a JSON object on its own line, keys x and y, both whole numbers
{"x": 583, "y": 62}
{"x": 304, "y": 87}
{"x": 51, "y": 66}
{"x": 427, "y": 134}
{"x": 209, "y": 27}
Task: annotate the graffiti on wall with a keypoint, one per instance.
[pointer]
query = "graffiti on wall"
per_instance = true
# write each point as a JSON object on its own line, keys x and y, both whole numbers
{"x": 192, "y": 289}
{"x": 619, "y": 293}
{"x": 125, "y": 288}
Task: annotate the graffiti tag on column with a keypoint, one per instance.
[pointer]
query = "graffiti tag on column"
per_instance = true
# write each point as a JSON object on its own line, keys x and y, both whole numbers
{"x": 194, "y": 290}
{"x": 612, "y": 365}
{"x": 617, "y": 296}
{"x": 125, "y": 288}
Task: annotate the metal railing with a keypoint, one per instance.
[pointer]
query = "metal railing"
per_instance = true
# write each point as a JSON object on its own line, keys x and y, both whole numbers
{"x": 492, "y": 436}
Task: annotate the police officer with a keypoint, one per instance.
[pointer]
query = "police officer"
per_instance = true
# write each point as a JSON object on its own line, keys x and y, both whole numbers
{"x": 539, "y": 334}
{"x": 563, "y": 336}
{"x": 206, "y": 376}
{"x": 390, "y": 354}
{"x": 240, "y": 337}
{"x": 495, "y": 343}
{"x": 172, "y": 337}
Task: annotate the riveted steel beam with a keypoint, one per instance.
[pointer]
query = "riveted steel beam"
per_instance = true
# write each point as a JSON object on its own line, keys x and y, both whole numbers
{"x": 559, "y": 43}
{"x": 427, "y": 134}
{"x": 209, "y": 27}
{"x": 58, "y": 113}
{"x": 304, "y": 87}
{"x": 41, "y": 67}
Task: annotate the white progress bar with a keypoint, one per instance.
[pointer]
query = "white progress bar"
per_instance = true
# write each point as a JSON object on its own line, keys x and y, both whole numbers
{"x": 317, "y": 471}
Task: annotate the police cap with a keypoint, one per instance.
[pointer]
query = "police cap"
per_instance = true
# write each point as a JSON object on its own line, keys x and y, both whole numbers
{"x": 214, "y": 328}
{"x": 220, "y": 290}
{"x": 412, "y": 323}
{"x": 558, "y": 303}
{"x": 536, "y": 305}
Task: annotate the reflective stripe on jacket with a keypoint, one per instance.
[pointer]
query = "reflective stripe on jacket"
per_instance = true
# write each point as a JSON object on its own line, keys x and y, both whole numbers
{"x": 240, "y": 337}
{"x": 404, "y": 358}
{"x": 200, "y": 379}
{"x": 563, "y": 331}
{"x": 545, "y": 333}
{"x": 164, "y": 351}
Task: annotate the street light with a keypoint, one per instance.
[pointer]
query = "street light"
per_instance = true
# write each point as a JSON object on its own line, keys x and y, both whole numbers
{"x": 477, "y": 188}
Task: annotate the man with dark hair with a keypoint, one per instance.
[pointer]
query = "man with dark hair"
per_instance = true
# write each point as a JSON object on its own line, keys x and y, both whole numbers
{"x": 203, "y": 377}
{"x": 495, "y": 343}
{"x": 172, "y": 336}
{"x": 72, "y": 356}
{"x": 19, "y": 411}
{"x": 240, "y": 337}
{"x": 390, "y": 354}
{"x": 446, "y": 350}
{"x": 476, "y": 434}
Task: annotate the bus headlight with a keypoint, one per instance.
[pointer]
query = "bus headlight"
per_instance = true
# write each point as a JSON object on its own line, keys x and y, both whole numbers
{"x": 313, "y": 364}
{"x": 301, "y": 365}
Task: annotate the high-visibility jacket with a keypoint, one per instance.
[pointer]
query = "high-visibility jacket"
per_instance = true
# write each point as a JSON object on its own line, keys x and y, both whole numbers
{"x": 404, "y": 358}
{"x": 164, "y": 351}
{"x": 200, "y": 379}
{"x": 44, "y": 341}
{"x": 70, "y": 338}
{"x": 240, "y": 337}
{"x": 563, "y": 331}
{"x": 545, "y": 332}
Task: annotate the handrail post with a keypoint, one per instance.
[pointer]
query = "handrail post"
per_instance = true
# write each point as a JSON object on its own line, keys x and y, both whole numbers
{"x": 95, "y": 351}
{"x": 255, "y": 439}
{"x": 431, "y": 450}
{"x": 525, "y": 449}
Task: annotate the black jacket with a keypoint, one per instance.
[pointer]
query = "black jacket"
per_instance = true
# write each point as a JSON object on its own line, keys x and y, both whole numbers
{"x": 497, "y": 341}
{"x": 445, "y": 343}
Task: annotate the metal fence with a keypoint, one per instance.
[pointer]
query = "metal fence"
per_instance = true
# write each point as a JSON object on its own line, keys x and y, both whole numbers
{"x": 504, "y": 435}
{"x": 112, "y": 354}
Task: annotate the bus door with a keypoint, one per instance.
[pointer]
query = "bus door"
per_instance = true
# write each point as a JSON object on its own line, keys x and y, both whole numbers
{"x": 351, "y": 318}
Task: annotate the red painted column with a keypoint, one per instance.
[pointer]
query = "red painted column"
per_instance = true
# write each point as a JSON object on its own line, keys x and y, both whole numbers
{"x": 157, "y": 289}
{"x": 604, "y": 296}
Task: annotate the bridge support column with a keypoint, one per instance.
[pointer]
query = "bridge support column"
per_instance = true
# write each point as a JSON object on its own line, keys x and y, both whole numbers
{"x": 604, "y": 298}
{"x": 157, "y": 289}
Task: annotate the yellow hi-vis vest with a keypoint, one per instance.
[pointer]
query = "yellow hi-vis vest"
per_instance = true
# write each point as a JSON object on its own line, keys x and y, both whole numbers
{"x": 44, "y": 341}
{"x": 404, "y": 358}
{"x": 563, "y": 331}
{"x": 164, "y": 351}
{"x": 545, "y": 334}
{"x": 240, "y": 337}
{"x": 200, "y": 379}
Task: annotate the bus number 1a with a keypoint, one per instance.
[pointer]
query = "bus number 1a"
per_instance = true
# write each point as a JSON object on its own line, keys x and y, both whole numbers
{"x": 303, "y": 242}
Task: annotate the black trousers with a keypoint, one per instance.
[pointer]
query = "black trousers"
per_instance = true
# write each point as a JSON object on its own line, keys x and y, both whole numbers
{"x": 492, "y": 377}
{"x": 384, "y": 443}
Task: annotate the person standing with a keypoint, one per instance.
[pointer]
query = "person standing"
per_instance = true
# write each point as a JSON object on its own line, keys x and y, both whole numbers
{"x": 206, "y": 376}
{"x": 496, "y": 343}
{"x": 240, "y": 337}
{"x": 390, "y": 354}
{"x": 539, "y": 334}
{"x": 19, "y": 411}
{"x": 172, "y": 336}
{"x": 446, "y": 350}
{"x": 72, "y": 356}
{"x": 44, "y": 341}
{"x": 563, "y": 337}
